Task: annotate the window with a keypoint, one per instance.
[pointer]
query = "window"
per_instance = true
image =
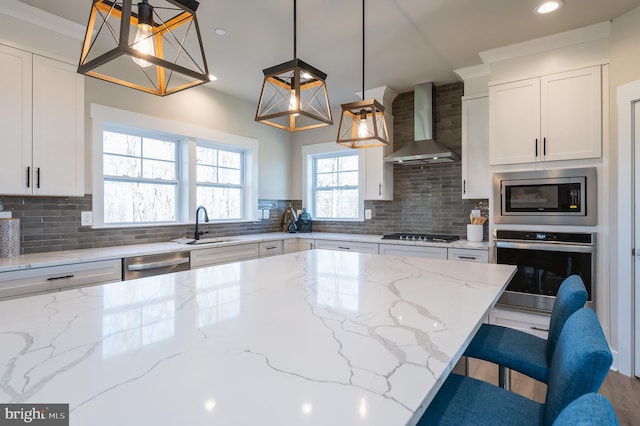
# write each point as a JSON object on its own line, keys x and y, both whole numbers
{"x": 332, "y": 179}
{"x": 154, "y": 171}
{"x": 219, "y": 181}
{"x": 336, "y": 186}
{"x": 140, "y": 178}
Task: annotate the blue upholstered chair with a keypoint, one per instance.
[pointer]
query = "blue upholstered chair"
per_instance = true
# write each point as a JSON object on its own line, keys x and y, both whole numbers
{"x": 524, "y": 352}
{"x": 579, "y": 365}
{"x": 590, "y": 409}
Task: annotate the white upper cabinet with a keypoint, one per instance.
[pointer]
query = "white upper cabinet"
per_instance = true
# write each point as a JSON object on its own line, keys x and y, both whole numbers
{"x": 43, "y": 111}
{"x": 15, "y": 120}
{"x": 476, "y": 179}
{"x": 378, "y": 175}
{"x": 571, "y": 120}
{"x": 553, "y": 117}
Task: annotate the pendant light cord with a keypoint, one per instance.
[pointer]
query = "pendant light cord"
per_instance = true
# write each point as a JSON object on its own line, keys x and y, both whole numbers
{"x": 363, "y": 50}
{"x": 295, "y": 32}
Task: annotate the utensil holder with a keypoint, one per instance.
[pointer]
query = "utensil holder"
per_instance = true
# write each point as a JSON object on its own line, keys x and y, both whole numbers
{"x": 474, "y": 232}
{"x": 9, "y": 237}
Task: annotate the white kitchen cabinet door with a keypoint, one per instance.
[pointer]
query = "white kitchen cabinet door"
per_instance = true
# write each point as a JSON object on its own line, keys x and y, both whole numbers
{"x": 378, "y": 175}
{"x": 476, "y": 179}
{"x": 270, "y": 248}
{"x": 355, "y": 246}
{"x": 468, "y": 255}
{"x": 290, "y": 246}
{"x": 514, "y": 122}
{"x": 571, "y": 115}
{"x": 15, "y": 121}
{"x": 226, "y": 254}
{"x": 414, "y": 251}
{"x": 536, "y": 324}
{"x": 58, "y": 123}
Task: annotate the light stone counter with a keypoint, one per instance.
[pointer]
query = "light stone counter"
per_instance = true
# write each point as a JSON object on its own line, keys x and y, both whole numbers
{"x": 310, "y": 338}
{"x": 41, "y": 260}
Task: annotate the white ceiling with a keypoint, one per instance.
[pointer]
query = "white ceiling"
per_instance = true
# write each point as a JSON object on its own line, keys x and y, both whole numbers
{"x": 408, "y": 41}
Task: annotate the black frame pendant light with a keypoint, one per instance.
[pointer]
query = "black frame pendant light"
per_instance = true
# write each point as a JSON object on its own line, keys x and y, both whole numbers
{"x": 294, "y": 94}
{"x": 362, "y": 123}
{"x": 153, "y": 48}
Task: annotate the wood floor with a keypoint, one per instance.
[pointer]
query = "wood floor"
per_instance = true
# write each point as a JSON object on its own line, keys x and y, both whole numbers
{"x": 623, "y": 392}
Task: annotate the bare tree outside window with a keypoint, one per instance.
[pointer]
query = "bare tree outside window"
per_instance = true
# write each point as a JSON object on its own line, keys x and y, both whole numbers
{"x": 220, "y": 181}
{"x": 140, "y": 179}
{"x": 336, "y": 186}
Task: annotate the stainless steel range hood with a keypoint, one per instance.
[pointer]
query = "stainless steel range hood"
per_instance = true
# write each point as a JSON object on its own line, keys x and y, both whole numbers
{"x": 424, "y": 149}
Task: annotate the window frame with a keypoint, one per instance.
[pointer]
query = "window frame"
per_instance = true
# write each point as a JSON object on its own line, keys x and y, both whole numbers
{"x": 327, "y": 150}
{"x": 188, "y": 135}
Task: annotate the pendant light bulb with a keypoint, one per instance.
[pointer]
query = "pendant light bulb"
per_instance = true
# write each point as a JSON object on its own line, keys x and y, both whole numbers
{"x": 293, "y": 99}
{"x": 363, "y": 132}
{"x": 144, "y": 36}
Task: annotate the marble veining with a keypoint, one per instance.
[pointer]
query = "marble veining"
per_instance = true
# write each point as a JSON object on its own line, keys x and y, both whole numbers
{"x": 316, "y": 337}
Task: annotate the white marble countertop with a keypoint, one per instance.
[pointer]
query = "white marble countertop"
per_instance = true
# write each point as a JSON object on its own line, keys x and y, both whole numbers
{"x": 315, "y": 338}
{"x": 41, "y": 260}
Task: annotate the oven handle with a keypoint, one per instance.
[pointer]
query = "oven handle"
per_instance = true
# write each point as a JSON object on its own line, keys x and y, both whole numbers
{"x": 572, "y": 248}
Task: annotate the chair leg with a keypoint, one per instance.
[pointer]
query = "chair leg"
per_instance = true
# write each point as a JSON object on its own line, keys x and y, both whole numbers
{"x": 504, "y": 377}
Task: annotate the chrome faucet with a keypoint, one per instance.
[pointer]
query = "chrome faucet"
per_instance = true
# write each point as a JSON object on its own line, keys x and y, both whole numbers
{"x": 206, "y": 219}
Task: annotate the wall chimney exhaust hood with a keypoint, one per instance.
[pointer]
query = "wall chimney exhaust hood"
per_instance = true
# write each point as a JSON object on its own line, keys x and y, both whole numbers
{"x": 424, "y": 149}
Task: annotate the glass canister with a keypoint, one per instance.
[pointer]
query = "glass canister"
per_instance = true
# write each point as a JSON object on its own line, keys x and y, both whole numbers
{"x": 304, "y": 221}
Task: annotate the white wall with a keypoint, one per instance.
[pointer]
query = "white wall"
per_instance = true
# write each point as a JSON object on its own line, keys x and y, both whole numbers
{"x": 625, "y": 68}
{"x": 201, "y": 106}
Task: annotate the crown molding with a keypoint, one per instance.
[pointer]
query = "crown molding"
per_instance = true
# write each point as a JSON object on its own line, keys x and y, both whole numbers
{"x": 33, "y": 15}
{"x": 475, "y": 71}
{"x": 554, "y": 41}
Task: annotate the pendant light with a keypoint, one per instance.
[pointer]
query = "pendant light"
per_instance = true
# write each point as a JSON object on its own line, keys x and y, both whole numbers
{"x": 362, "y": 123}
{"x": 294, "y": 94}
{"x": 154, "y": 48}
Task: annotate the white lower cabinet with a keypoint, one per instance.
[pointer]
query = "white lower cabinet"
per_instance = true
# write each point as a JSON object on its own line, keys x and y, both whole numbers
{"x": 226, "y": 254}
{"x": 55, "y": 278}
{"x": 290, "y": 246}
{"x": 270, "y": 248}
{"x": 347, "y": 246}
{"x": 305, "y": 244}
{"x": 529, "y": 322}
{"x": 414, "y": 251}
{"x": 468, "y": 255}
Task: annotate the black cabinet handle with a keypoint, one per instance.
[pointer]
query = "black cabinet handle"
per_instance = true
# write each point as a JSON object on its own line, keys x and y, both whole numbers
{"x": 379, "y": 189}
{"x": 28, "y": 177}
{"x": 536, "y": 147}
{"x": 38, "y": 177}
{"x": 60, "y": 278}
{"x": 464, "y": 186}
{"x": 546, "y": 330}
{"x": 544, "y": 146}
{"x": 344, "y": 248}
{"x": 467, "y": 257}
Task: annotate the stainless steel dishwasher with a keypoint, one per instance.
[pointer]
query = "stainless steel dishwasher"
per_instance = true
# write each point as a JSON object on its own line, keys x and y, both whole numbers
{"x": 155, "y": 264}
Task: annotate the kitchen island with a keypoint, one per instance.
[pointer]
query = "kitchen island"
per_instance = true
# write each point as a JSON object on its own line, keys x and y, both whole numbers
{"x": 316, "y": 337}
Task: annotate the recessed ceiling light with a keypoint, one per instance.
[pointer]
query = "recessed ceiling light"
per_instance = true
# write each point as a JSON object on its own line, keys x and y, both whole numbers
{"x": 220, "y": 31}
{"x": 548, "y": 6}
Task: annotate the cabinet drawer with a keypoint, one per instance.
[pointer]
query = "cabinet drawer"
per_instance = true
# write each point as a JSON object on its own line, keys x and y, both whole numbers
{"x": 226, "y": 254}
{"x": 415, "y": 251}
{"x": 468, "y": 255}
{"x": 305, "y": 244}
{"x": 531, "y": 323}
{"x": 270, "y": 248}
{"x": 40, "y": 280}
{"x": 346, "y": 246}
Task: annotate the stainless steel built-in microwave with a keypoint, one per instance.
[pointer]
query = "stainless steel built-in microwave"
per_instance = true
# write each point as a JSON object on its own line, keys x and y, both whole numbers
{"x": 546, "y": 197}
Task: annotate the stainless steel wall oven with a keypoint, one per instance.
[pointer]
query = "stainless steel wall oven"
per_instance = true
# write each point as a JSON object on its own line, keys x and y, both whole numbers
{"x": 544, "y": 260}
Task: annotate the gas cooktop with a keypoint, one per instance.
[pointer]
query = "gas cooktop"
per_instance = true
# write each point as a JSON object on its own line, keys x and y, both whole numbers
{"x": 431, "y": 238}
